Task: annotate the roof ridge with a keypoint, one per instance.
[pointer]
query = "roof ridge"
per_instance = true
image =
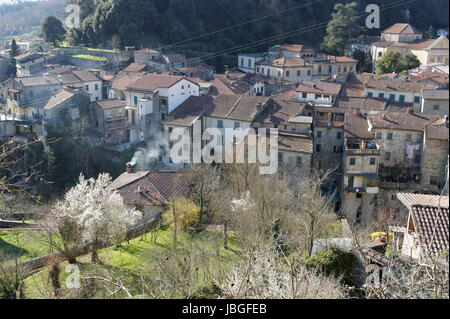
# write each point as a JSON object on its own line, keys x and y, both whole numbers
{"x": 235, "y": 105}
{"x": 132, "y": 181}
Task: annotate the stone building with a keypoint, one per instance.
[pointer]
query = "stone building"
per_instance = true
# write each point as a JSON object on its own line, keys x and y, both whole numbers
{"x": 328, "y": 127}
{"x": 360, "y": 170}
{"x": 398, "y": 90}
{"x": 434, "y": 163}
{"x": 153, "y": 97}
{"x": 400, "y": 136}
{"x": 152, "y": 58}
{"x": 435, "y": 102}
{"x": 406, "y": 39}
{"x": 116, "y": 123}
{"x": 320, "y": 93}
{"x": 295, "y": 63}
{"x": 286, "y": 113}
{"x": 295, "y": 152}
{"x": 67, "y": 104}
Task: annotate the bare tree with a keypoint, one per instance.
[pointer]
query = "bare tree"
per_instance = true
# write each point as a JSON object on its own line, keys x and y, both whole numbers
{"x": 312, "y": 211}
{"x": 263, "y": 274}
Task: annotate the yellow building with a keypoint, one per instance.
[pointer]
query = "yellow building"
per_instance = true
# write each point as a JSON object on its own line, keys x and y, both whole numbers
{"x": 405, "y": 39}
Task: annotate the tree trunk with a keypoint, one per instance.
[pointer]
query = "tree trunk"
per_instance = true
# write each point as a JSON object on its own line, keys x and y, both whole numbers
{"x": 174, "y": 226}
{"x": 54, "y": 276}
{"x": 94, "y": 256}
{"x": 225, "y": 235}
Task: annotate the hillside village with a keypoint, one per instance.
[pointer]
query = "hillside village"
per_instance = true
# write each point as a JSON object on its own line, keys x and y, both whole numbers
{"x": 382, "y": 138}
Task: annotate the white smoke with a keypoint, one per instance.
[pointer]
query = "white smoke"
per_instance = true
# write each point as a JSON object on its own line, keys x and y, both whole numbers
{"x": 148, "y": 158}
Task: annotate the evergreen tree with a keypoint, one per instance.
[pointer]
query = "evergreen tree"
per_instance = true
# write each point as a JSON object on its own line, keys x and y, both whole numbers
{"x": 430, "y": 33}
{"x": 393, "y": 62}
{"x": 342, "y": 28}
{"x": 364, "y": 61}
{"x": 389, "y": 63}
{"x": 53, "y": 30}
{"x": 15, "y": 51}
{"x": 410, "y": 61}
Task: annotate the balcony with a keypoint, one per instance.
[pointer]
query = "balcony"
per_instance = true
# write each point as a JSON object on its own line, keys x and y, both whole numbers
{"x": 361, "y": 189}
{"x": 400, "y": 185}
{"x": 362, "y": 183}
{"x": 362, "y": 147}
{"x": 116, "y": 122}
{"x": 362, "y": 151}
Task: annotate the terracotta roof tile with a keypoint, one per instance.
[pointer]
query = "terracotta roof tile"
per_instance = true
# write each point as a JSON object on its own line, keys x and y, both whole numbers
{"x": 291, "y": 48}
{"x": 151, "y": 82}
{"x": 290, "y": 62}
{"x": 111, "y": 104}
{"x": 295, "y": 142}
{"x": 411, "y": 199}
{"x": 402, "y": 120}
{"x": 151, "y": 188}
{"x": 437, "y": 77}
{"x": 341, "y": 59}
{"x": 174, "y": 57}
{"x": 280, "y": 111}
{"x": 436, "y": 132}
{"x": 234, "y": 107}
{"x": 402, "y": 28}
{"x": 396, "y": 86}
{"x": 319, "y": 87}
{"x": 432, "y": 227}
{"x": 58, "y": 98}
{"x": 137, "y": 67}
{"x": 356, "y": 126}
{"x": 122, "y": 80}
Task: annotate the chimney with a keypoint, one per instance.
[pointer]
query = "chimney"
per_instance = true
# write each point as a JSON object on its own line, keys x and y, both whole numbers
{"x": 131, "y": 167}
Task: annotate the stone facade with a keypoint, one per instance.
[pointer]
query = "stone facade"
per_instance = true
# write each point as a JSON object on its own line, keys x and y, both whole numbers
{"x": 329, "y": 140}
{"x": 434, "y": 165}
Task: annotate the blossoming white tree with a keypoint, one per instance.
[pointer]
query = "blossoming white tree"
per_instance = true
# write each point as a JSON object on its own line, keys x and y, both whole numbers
{"x": 264, "y": 274}
{"x": 90, "y": 214}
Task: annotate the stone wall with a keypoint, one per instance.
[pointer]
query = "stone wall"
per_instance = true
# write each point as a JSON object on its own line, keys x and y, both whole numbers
{"x": 88, "y": 64}
{"x": 366, "y": 206}
{"x": 17, "y": 224}
{"x": 397, "y": 146}
{"x": 434, "y": 162}
{"x": 327, "y": 158}
{"x": 428, "y": 107}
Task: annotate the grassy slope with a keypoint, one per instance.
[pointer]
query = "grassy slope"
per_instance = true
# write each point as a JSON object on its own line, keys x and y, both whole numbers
{"x": 128, "y": 261}
{"x": 90, "y": 57}
{"x": 22, "y": 244}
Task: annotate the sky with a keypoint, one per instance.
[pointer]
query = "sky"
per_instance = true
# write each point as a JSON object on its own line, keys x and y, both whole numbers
{"x": 11, "y": 1}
